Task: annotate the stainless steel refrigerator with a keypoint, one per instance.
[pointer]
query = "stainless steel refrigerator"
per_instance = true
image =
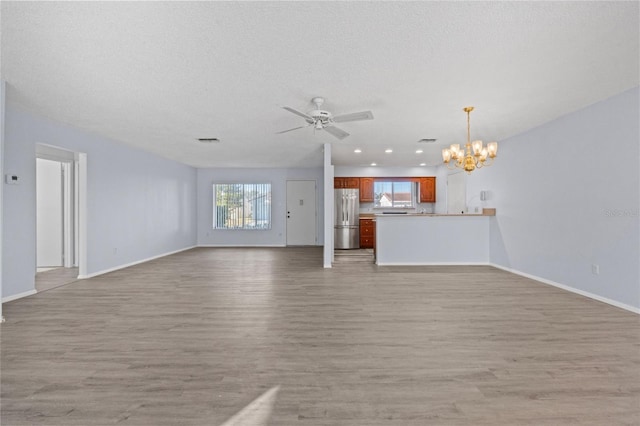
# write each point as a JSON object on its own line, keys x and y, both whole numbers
{"x": 347, "y": 219}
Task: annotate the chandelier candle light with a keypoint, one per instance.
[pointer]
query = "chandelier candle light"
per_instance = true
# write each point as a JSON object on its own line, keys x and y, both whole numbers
{"x": 468, "y": 161}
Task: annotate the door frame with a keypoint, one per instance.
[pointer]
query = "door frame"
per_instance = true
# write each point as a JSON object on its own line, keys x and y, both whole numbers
{"x": 74, "y": 189}
{"x": 68, "y": 215}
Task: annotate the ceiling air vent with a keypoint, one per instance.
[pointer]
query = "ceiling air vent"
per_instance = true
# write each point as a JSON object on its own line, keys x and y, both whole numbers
{"x": 209, "y": 140}
{"x": 429, "y": 140}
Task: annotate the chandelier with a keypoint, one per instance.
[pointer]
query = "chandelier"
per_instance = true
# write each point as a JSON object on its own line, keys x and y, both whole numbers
{"x": 463, "y": 158}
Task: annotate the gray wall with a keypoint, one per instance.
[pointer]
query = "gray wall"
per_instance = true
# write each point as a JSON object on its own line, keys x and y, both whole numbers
{"x": 567, "y": 197}
{"x": 276, "y": 236}
{"x": 139, "y": 205}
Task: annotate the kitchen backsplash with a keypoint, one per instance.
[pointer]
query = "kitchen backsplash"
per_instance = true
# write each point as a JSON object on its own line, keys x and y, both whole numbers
{"x": 420, "y": 208}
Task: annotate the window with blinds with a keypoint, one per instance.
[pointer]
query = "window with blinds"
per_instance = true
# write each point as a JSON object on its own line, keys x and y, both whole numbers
{"x": 242, "y": 206}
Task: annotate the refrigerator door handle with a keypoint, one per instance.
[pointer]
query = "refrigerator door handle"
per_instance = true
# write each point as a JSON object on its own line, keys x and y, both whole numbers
{"x": 347, "y": 205}
{"x": 345, "y": 212}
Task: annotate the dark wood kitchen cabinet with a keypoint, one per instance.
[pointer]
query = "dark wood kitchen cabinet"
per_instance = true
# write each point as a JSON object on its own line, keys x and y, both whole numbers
{"x": 346, "y": 182}
{"x": 366, "y": 190}
{"x": 427, "y": 189}
{"x": 367, "y": 233}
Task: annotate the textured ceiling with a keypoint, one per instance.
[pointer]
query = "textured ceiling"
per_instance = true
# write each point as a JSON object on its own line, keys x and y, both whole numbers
{"x": 159, "y": 75}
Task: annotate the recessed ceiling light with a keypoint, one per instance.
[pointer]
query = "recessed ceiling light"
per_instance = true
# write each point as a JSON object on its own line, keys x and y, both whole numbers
{"x": 388, "y": 151}
{"x": 357, "y": 151}
{"x": 209, "y": 140}
{"x": 419, "y": 151}
{"x": 373, "y": 164}
{"x": 427, "y": 140}
{"x": 423, "y": 164}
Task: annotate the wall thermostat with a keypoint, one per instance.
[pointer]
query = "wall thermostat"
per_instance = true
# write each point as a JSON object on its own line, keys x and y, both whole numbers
{"x": 12, "y": 179}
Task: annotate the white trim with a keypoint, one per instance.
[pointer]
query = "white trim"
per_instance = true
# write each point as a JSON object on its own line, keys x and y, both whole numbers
{"x": 571, "y": 289}
{"x": 76, "y": 212}
{"x": 83, "y": 259}
{"x": 328, "y": 255}
{"x": 67, "y": 215}
{"x": 434, "y": 264}
{"x": 18, "y": 296}
{"x": 54, "y": 153}
{"x": 247, "y": 245}
{"x": 2, "y": 123}
{"x": 137, "y": 262}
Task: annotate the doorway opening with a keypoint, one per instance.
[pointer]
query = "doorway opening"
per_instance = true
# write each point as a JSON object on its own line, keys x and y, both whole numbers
{"x": 59, "y": 258}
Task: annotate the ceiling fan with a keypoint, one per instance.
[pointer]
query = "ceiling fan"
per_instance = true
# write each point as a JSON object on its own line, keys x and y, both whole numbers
{"x": 321, "y": 119}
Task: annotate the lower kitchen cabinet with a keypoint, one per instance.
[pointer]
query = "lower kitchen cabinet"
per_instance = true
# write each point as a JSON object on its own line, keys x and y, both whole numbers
{"x": 367, "y": 233}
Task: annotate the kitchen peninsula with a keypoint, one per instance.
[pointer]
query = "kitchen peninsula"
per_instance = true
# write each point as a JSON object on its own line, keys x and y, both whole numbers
{"x": 432, "y": 239}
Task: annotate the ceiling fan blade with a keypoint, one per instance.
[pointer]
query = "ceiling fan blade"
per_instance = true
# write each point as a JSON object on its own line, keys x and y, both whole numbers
{"x": 354, "y": 116}
{"x": 338, "y": 133}
{"x": 301, "y": 114}
{"x": 290, "y": 130}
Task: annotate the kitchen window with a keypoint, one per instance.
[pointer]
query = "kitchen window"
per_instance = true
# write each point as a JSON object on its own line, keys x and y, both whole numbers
{"x": 242, "y": 206}
{"x": 400, "y": 195}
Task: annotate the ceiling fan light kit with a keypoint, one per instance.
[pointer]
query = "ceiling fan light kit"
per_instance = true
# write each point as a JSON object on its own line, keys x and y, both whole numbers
{"x": 324, "y": 120}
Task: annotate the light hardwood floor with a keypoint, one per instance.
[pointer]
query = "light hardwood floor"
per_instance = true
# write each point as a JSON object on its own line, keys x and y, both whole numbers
{"x": 55, "y": 277}
{"x": 194, "y": 338}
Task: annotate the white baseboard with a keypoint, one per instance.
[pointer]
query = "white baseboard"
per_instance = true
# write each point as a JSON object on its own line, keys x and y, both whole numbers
{"x": 433, "y": 264}
{"x": 137, "y": 262}
{"x": 571, "y": 289}
{"x": 18, "y": 296}
{"x": 242, "y": 245}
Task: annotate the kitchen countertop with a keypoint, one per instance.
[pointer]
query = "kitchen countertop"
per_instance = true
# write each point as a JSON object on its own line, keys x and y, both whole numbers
{"x": 374, "y": 215}
{"x": 429, "y": 214}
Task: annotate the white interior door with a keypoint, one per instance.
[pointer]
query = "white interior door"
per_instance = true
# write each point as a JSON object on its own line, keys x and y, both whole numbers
{"x": 301, "y": 213}
{"x": 456, "y": 193}
{"x": 49, "y": 213}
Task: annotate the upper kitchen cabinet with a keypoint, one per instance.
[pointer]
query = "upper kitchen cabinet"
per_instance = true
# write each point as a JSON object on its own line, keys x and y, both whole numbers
{"x": 346, "y": 182}
{"x": 427, "y": 189}
{"x": 366, "y": 190}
